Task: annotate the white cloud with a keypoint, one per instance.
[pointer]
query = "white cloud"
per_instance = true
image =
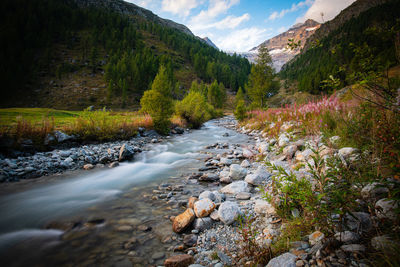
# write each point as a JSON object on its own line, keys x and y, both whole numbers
{"x": 242, "y": 40}
{"x": 277, "y": 15}
{"x": 179, "y": 7}
{"x": 215, "y": 8}
{"x": 229, "y": 22}
{"x": 328, "y": 7}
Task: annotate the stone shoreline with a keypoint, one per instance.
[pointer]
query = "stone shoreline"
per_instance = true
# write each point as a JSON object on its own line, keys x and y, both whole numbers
{"x": 81, "y": 157}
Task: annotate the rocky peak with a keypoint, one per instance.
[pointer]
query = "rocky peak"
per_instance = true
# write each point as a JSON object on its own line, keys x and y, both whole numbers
{"x": 277, "y": 45}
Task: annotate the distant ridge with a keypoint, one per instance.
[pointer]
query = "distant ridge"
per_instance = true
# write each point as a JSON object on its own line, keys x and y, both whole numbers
{"x": 132, "y": 9}
{"x": 209, "y": 42}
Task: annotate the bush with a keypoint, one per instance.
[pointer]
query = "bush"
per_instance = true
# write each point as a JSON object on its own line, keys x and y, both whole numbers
{"x": 158, "y": 102}
{"x": 159, "y": 107}
{"x": 240, "y": 112}
{"x": 194, "y": 109}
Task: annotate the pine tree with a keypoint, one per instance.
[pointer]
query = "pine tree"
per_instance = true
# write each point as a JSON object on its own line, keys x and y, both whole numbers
{"x": 261, "y": 83}
{"x": 158, "y": 102}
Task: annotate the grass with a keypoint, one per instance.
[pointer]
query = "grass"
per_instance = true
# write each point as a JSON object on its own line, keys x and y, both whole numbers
{"x": 36, "y": 123}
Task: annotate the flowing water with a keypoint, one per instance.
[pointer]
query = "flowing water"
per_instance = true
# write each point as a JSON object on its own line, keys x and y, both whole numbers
{"x": 100, "y": 217}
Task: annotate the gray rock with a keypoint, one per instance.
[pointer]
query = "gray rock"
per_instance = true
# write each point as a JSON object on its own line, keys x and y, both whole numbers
{"x": 284, "y": 260}
{"x": 358, "y": 222}
{"x": 214, "y": 215}
{"x": 289, "y": 151}
{"x": 236, "y": 187}
{"x": 225, "y": 161}
{"x": 190, "y": 240}
{"x": 224, "y": 177}
{"x": 262, "y": 207}
{"x": 62, "y": 137}
{"x": 228, "y": 212}
{"x": 283, "y": 140}
{"x": 353, "y": 248}
{"x": 208, "y": 194}
{"x": 202, "y": 224}
{"x": 347, "y": 237}
{"x": 236, "y": 172}
{"x": 346, "y": 152}
{"x": 50, "y": 139}
{"x": 126, "y": 152}
{"x": 224, "y": 258}
{"x": 386, "y": 209}
{"x": 209, "y": 177}
{"x": 260, "y": 177}
{"x": 245, "y": 164}
{"x": 243, "y": 196}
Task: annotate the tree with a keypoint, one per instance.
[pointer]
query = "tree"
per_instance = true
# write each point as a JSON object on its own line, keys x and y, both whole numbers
{"x": 214, "y": 95}
{"x": 158, "y": 102}
{"x": 239, "y": 96}
{"x": 261, "y": 83}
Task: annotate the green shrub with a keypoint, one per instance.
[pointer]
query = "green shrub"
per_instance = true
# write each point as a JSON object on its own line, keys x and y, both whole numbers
{"x": 240, "y": 112}
{"x": 158, "y": 102}
{"x": 194, "y": 109}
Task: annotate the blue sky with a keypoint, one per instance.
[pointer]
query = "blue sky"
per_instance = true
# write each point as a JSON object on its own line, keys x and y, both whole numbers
{"x": 239, "y": 25}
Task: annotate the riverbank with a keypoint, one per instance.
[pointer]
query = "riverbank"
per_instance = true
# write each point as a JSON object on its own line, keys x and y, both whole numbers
{"x": 258, "y": 217}
{"x": 89, "y": 156}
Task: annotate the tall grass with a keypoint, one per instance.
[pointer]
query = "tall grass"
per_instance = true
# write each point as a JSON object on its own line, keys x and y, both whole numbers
{"x": 98, "y": 125}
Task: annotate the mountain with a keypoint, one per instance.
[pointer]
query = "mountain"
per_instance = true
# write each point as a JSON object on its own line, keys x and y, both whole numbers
{"x": 209, "y": 42}
{"x": 71, "y": 54}
{"x": 277, "y": 45}
{"x": 352, "y": 11}
{"x": 364, "y": 25}
{"x": 130, "y": 9}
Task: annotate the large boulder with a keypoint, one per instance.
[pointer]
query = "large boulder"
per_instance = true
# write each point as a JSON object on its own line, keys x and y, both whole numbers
{"x": 126, "y": 152}
{"x": 285, "y": 260}
{"x": 236, "y": 187}
{"x": 203, "y": 207}
{"x": 386, "y": 209}
{"x": 259, "y": 177}
{"x": 181, "y": 260}
{"x": 183, "y": 221}
{"x": 62, "y": 137}
{"x": 228, "y": 212}
{"x": 236, "y": 172}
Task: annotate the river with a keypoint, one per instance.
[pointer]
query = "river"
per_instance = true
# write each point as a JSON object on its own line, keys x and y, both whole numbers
{"x": 109, "y": 217}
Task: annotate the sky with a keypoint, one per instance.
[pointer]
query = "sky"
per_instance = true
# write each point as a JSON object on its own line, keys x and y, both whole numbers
{"x": 239, "y": 25}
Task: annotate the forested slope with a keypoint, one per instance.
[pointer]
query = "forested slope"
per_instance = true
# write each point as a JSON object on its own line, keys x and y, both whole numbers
{"x": 56, "y": 53}
{"x": 373, "y": 32}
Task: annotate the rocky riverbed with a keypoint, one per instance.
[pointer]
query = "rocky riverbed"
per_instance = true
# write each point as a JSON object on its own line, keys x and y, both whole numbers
{"x": 189, "y": 213}
{"x": 86, "y": 156}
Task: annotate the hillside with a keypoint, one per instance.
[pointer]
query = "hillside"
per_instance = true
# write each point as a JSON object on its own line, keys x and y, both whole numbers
{"x": 74, "y": 54}
{"x": 278, "y": 45}
{"x": 341, "y": 52}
